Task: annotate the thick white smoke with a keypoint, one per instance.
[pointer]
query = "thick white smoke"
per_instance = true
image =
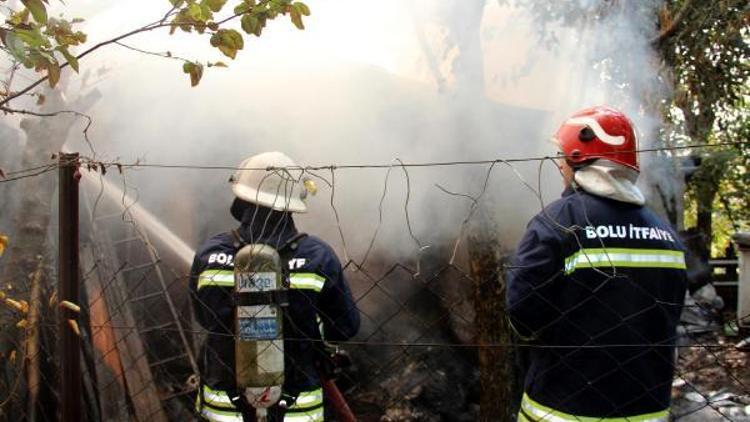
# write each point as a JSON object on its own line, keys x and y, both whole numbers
{"x": 368, "y": 82}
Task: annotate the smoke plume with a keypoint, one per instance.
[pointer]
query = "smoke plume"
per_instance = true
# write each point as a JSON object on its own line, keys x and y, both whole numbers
{"x": 370, "y": 82}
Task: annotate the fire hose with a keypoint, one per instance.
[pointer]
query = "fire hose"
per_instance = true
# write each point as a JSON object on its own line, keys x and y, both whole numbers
{"x": 337, "y": 401}
{"x": 337, "y": 362}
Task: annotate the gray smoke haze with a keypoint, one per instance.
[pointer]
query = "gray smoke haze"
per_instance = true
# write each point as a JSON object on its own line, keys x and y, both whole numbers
{"x": 368, "y": 82}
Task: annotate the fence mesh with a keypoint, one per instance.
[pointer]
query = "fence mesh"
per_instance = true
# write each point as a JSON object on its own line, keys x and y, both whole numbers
{"x": 432, "y": 343}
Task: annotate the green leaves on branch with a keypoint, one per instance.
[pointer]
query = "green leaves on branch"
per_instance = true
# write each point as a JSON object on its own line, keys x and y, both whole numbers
{"x": 39, "y": 42}
{"x": 199, "y": 16}
{"x": 228, "y": 41}
{"x": 194, "y": 15}
{"x": 43, "y": 43}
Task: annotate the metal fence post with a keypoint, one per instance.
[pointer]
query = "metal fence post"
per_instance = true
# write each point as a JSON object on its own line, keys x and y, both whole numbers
{"x": 68, "y": 280}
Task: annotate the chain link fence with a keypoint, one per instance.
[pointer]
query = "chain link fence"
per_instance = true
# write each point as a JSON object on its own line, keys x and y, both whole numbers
{"x": 434, "y": 342}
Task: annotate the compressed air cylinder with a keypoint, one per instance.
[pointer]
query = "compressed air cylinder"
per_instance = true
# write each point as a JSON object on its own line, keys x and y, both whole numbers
{"x": 259, "y": 345}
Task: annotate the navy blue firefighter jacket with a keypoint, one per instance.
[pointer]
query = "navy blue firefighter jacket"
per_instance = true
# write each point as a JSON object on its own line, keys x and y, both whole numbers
{"x": 597, "y": 286}
{"x": 318, "y": 293}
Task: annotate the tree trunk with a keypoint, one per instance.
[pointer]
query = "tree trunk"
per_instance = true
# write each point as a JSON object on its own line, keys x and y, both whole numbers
{"x": 493, "y": 329}
{"x": 45, "y": 136}
{"x": 704, "y": 223}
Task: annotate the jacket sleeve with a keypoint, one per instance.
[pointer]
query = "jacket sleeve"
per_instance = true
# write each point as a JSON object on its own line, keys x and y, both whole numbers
{"x": 212, "y": 304}
{"x": 337, "y": 310}
{"x": 534, "y": 279}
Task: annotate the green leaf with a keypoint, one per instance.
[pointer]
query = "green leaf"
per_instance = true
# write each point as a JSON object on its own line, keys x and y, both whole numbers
{"x": 37, "y": 9}
{"x": 183, "y": 21}
{"x": 19, "y": 18}
{"x": 253, "y": 24}
{"x": 14, "y": 45}
{"x": 195, "y": 70}
{"x": 195, "y": 12}
{"x": 206, "y": 13}
{"x": 228, "y": 41}
{"x": 250, "y": 24}
{"x": 177, "y": 3}
{"x": 245, "y": 7}
{"x": 72, "y": 60}
{"x": 296, "y": 17}
{"x": 242, "y": 8}
{"x": 215, "y": 5}
{"x": 302, "y": 7}
{"x": 53, "y": 73}
{"x": 33, "y": 38}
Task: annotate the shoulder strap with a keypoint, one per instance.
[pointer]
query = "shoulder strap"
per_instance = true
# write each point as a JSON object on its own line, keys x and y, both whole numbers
{"x": 239, "y": 241}
{"x": 290, "y": 244}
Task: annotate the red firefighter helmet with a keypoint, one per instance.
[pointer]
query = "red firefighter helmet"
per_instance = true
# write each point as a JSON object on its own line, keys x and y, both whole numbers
{"x": 598, "y": 132}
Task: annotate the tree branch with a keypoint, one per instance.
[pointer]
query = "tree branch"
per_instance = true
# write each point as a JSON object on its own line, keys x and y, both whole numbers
{"x": 89, "y": 120}
{"x": 166, "y": 55}
{"x": 150, "y": 27}
{"x": 667, "y": 32}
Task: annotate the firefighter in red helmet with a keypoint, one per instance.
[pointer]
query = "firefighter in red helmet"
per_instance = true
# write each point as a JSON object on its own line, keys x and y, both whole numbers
{"x": 597, "y": 285}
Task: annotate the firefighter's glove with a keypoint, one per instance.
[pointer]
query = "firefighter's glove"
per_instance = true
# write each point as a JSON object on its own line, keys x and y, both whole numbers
{"x": 335, "y": 363}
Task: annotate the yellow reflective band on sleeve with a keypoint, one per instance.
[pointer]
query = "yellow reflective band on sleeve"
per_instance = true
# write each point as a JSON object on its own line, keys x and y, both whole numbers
{"x": 307, "y": 399}
{"x": 542, "y": 413}
{"x": 623, "y": 257}
{"x": 310, "y": 281}
{"x": 215, "y": 415}
{"x": 216, "y": 278}
{"x": 216, "y": 398}
{"x": 316, "y": 415}
{"x": 522, "y": 418}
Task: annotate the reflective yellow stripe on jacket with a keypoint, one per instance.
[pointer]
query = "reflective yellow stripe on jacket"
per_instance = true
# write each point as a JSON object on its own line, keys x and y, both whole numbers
{"x": 532, "y": 411}
{"x": 216, "y": 278}
{"x": 310, "y": 281}
{"x": 217, "y": 407}
{"x": 624, "y": 257}
{"x": 225, "y": 278}
{"x": 307, "y": 408}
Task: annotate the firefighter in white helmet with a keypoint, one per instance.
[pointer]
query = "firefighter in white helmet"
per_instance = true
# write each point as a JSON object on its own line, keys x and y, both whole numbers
{"x": 597, "y": 286}
{"x": 319, "y": 298}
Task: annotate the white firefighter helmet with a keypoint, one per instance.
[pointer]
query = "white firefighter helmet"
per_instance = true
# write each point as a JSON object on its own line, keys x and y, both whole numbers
{"x": 276, "y": 188}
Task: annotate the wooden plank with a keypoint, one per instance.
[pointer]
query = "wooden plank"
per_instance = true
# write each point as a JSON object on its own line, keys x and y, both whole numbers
{"x": 109, "y": 374}
{"x": 138, "y": 379}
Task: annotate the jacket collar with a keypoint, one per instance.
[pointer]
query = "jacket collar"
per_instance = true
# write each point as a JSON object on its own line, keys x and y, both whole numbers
{"x": 264, "y": 225}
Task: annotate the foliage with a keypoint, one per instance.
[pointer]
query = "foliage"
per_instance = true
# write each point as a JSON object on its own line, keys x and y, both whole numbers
{"x": 36, "y": 41}
{"x": 706, "y": 47}
{"x": 199, "y": 16}
{"x": 39, "y": 42}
